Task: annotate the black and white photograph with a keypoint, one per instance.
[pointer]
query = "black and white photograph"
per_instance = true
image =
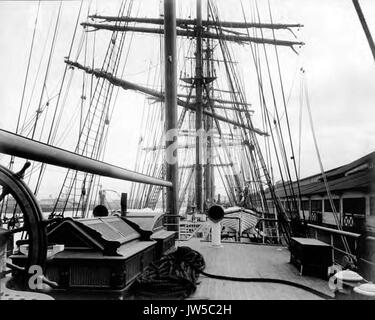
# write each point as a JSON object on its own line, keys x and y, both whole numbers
{"x": 201, "y": 151}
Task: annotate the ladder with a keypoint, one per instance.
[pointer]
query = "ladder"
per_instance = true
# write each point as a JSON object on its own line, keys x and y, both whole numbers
{"x": 77, "y": 186}
{"x": 155, "y": 191}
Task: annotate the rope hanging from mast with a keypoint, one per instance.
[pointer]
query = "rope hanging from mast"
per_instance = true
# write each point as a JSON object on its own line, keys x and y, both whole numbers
{"x": 326, "y": 184}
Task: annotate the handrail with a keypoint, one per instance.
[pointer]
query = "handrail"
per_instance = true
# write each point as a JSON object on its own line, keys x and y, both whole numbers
{"x": 19, "y": 146}
{"x": 195, "y": 231}
{"x": 339, "y": 232}
{"x": 187, "y": 223}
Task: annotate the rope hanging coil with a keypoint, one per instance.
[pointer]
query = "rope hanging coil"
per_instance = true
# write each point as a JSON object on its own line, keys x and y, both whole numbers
{"x": 174, "y": 276}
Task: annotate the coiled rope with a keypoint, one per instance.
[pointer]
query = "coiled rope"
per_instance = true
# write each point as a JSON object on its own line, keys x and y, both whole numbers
{"x": 175, "y": 276}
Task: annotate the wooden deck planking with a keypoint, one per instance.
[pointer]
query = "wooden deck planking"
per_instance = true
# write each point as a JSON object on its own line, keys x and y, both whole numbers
{"x": 251, "y": 261}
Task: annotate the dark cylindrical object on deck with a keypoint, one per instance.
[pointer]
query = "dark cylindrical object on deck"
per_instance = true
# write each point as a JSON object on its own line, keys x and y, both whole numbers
{"x": 100, "y": 211}
{"x": 124, "y": 204}
{"x": 215, "y": 213}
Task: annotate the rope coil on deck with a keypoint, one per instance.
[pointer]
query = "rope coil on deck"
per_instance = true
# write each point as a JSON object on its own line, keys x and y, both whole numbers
{"x": 175, "y": 276}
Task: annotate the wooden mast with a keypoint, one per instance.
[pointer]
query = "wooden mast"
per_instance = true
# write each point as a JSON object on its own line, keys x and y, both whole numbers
{"x": 199, "y": 110}
{"x": 170, "y": 65}
{"x": 209, "y": 123}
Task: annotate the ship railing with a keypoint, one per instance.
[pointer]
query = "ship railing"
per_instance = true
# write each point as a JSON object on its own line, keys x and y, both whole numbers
{"x": 268, "y": 230}
{"x": 232, "y": 227}
{"x": 334, "y": 238}
{"x": 188, "y": 229}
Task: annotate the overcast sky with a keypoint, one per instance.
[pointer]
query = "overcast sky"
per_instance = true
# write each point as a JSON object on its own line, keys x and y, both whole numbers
{"x": 340, "y": 73}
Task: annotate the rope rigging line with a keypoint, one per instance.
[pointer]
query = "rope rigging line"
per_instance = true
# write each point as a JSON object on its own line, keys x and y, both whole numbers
{"x": 44, "y": 51}
{"x": 229, "y": 72}
{"x": 300, "y": 125}
{"x": 257, "y": 65}
{"x": 11, "y": 162}
{"x": 135, "y": 187}
{"x": 26, "y": 79}
{"x": 267, "y": 146}
{"x": 39, "y": 110}
{"x": 102, "y": 132}
{"x": 233, "y": 72}
{"x": 152, "y": 135}
{"x": 326, "y": 184}
{"x": 259, "y": 152}
{"x": 94, "y": 113}
{"x": 150, "y": 160}
{"x": 48, "y": 67}
{"x": 281, "y": 140}
{"x": 55, "y": 124}
{"x": 286, "y": 109}
{"x": 154, "y": 127}
{"x": 285, "y": 113}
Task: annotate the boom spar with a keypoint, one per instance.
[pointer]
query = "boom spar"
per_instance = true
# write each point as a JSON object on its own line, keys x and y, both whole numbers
{"x": 205, "y": 23}
{"x": 192, "y": 34}
{"x": 157, "y": 94}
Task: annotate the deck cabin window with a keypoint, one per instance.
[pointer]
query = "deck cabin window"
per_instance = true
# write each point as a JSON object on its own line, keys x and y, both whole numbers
{"x": 316, "y": 205}
{"x": 372, "y": 206}
{"x": 327, "y": 205}
{"x": 354, "y": 205}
